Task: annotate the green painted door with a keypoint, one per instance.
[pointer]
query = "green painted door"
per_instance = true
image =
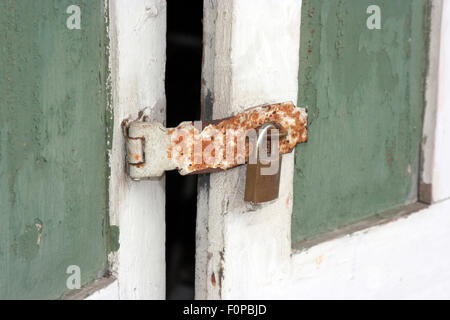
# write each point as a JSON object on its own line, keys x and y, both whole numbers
{"x": 365, "y": 91}
{"x": 53, "y": 146}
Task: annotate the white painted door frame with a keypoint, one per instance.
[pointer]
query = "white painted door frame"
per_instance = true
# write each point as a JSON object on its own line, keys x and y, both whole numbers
{"x": 244, "y": 251}
{"x": 137, "y": 32}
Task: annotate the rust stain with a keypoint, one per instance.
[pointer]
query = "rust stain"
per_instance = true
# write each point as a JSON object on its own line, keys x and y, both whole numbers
{"x": 224, "y": 136}
{"x": 213, "y": 279}
{"x": 389, "y": 157}
{"x": 319, "y": 260}
{"x": 288, "y": 200}
{"x": 133, "y": 150}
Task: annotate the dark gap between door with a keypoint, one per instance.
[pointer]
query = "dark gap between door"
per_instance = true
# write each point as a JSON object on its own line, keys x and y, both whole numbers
{"x": 183, "y": 84}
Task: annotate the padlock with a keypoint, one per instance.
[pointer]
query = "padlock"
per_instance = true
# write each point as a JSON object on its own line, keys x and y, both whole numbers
{"x": 262, "y": 181}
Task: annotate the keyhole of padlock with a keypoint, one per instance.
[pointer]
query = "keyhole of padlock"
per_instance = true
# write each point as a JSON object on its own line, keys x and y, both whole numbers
{"x": 263, "y": 173}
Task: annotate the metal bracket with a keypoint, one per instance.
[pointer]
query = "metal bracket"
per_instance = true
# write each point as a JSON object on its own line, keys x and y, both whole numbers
{"x": 196, "y": 147}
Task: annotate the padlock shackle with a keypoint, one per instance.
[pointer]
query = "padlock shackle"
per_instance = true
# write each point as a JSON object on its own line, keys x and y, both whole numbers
{"x": 262, "y": 132}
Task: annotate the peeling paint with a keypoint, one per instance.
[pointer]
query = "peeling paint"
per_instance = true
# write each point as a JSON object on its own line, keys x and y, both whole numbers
{"x": 39, "y": 225}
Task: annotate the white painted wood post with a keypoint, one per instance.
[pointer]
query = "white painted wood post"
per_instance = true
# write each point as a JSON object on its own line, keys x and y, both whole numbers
{"x": 138, "y": 56}
{"x": 250, "y": 58}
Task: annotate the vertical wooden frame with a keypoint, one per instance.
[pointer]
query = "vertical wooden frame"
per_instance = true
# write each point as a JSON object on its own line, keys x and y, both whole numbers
{"x": 435, "y": 173}
{"x": 138, "y": 56}
{"x": 250, "y": 57}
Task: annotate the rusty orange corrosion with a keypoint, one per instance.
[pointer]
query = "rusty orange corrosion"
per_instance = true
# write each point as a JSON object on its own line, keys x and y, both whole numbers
{"x": 224, "y": 137}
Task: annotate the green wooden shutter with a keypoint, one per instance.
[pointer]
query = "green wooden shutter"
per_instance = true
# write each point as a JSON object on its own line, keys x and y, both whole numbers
{"x": 365, "y": 92}
{"x": 53, "y": 150}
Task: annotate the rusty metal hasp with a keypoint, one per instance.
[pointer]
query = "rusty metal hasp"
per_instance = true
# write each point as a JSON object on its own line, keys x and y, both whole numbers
{"x": 196, "y": 147}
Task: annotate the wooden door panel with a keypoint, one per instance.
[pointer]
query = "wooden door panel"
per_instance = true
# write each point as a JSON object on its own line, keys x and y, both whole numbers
{"x": 53, "y": 147}
{"x": 365, "y": 92}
